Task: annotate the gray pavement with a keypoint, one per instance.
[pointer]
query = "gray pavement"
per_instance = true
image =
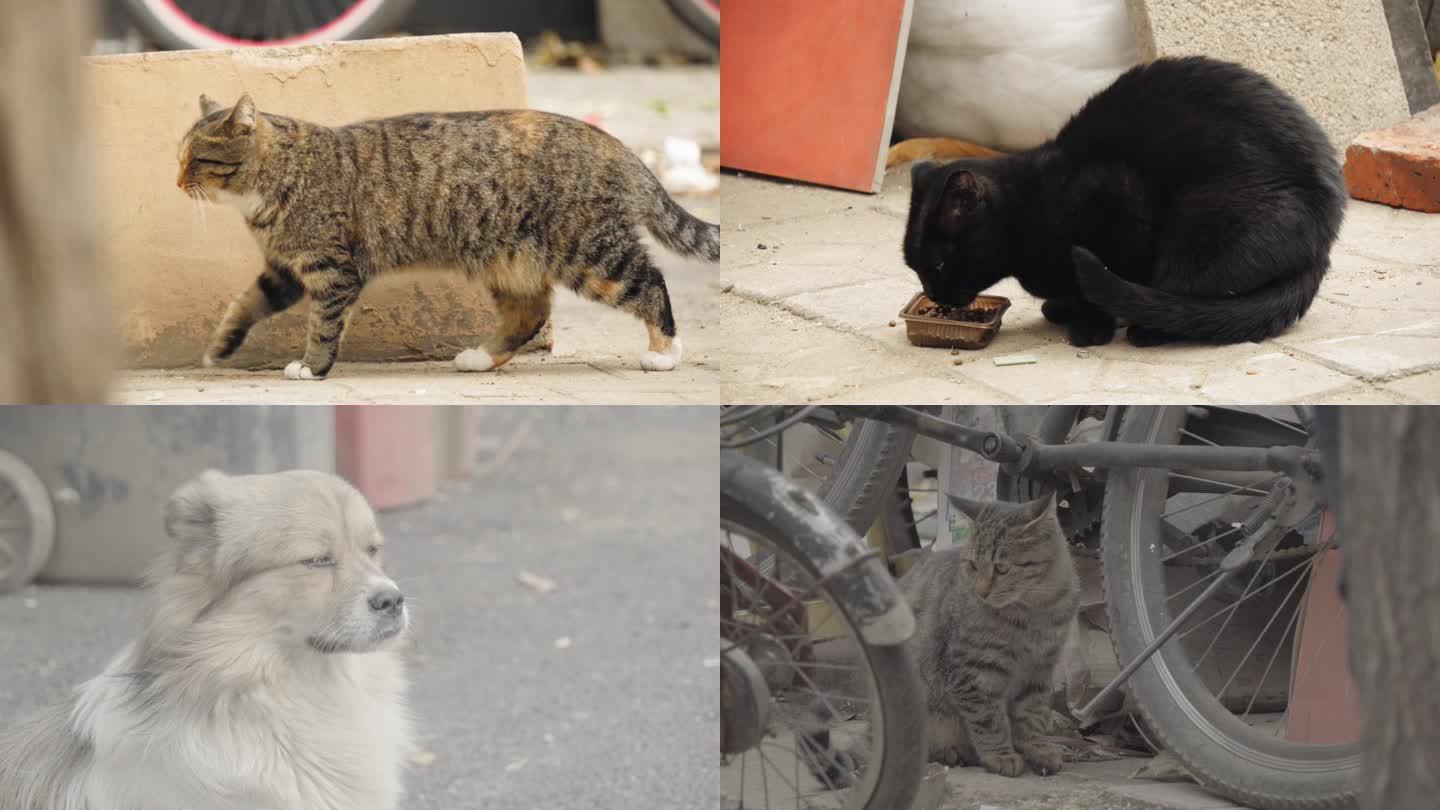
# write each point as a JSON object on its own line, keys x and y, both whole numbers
{"x": 811, "y": 316}
{"x": 618, "y": 507}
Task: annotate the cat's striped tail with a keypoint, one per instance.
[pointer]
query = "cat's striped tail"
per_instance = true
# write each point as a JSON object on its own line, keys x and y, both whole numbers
{"x": 1258, "y": 315}
{"x": 682, "y": 231}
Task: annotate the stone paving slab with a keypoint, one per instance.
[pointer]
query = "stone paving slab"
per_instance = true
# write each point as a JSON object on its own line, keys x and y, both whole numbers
{"x": 807, "y": 318}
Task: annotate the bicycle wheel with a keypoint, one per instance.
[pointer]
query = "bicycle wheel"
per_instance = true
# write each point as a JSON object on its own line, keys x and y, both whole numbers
{"x": 851, "y": 464}
{"x": 702, "y": 16}
{"x": 183, "y": 24}
{"x": 1239, "y": 727}
{"x": 27, "y": 523}
{"x": 791, "y": 641}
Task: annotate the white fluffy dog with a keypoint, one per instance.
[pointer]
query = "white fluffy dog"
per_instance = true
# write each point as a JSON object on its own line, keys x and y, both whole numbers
{"x": 266, "y": 677}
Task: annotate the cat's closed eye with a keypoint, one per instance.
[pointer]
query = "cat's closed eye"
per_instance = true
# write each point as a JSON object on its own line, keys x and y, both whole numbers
{"x": 1001, "y": 567}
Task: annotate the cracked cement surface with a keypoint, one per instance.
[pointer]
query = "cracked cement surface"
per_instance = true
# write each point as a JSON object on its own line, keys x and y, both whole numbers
{"x": 1089, "y": 785}
{"x": 596, "y": 357}
{"x": 813, "y": 281}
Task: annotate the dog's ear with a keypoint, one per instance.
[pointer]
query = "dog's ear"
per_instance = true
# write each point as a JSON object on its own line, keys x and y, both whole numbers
{"x": 192, "y": 512}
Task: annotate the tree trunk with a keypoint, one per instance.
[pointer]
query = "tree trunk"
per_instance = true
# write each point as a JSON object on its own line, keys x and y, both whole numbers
{"x": 1390, "y": 529}
{"x": 55, "y": 338}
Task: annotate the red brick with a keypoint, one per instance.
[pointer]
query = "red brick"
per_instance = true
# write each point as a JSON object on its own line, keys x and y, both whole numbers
{"x": 1399, "y": 165}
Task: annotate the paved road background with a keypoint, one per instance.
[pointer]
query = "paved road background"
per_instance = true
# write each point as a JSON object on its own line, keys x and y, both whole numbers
{"x": 618, "y": 506}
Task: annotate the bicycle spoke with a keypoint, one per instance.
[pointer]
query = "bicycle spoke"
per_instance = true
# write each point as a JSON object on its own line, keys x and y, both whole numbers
{"x": 1324, "y": 640}
{"x": 1274, "y": 653}
{"x": 1197, "y": 437}
{"x": 1282, "y": 423}
{"x": 1254, "y": 575}
{"x": 1251, "y": 488}
{"x": 1192, "y": 586}
{"x": 1272, "y": 583}
{"x": 1221, "y": 694}
{"x": 917, "y": 521}
{"x": 1199, "y": 545}
{"x": 1238, "y": 489}
{"x": 768, "y": 764}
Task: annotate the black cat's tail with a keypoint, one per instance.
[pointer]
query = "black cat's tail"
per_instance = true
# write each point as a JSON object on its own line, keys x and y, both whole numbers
{"x": 1256, "y": 316}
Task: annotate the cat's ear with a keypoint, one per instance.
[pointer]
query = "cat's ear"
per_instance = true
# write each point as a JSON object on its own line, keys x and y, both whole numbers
{"x": 242, "y": 117}
{"x": 1040, "y": 509}
{"x": 207, "y": 105}
{"x": 967, "y": 507}
{"x": 965, "y": 191}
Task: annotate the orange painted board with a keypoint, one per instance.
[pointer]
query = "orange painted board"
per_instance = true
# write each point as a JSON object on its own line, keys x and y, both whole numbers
{"x": 808, "y": 88}
{"x": 1324, "y": 707}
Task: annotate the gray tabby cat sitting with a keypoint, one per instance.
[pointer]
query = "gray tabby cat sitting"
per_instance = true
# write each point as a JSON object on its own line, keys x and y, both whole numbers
{"x": 991, "y": 618}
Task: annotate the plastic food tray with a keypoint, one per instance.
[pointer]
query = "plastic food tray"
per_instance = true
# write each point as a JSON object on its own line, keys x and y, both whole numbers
{"x": 945, "y": 333}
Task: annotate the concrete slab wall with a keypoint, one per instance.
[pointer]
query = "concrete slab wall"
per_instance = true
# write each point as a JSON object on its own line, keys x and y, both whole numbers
{"x": 110, "y": 470}
{"x": 1336, "y": 57}
{"x": 175, "y": 271}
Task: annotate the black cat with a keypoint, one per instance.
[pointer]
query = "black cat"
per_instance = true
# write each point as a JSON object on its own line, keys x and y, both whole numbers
{"x": 1192, "y": 199}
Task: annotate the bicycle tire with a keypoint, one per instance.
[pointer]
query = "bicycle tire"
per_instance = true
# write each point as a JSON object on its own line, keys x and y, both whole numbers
{"x": 896, "y": 680}
{"x": 866, "y": 471}
{"x": 1188, "y": 721}
{"x": 32, "y": 496}
{"x": 700, "y": 16}
{"x": 169, "y": 27}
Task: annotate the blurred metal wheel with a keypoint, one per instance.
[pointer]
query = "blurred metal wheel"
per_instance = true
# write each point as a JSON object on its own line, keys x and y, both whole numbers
{"x": 27, "y": 523}
{"x": 182, "y": 24}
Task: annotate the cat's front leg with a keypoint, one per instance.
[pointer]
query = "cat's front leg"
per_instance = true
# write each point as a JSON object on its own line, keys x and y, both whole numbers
{"x": 333, "y": 290}
{"x": 275, "y": 290}
{"x": 988, "y": 727}
{"x": 1030, "y": 720}
{"x": 1088, "y": 325}
{"x": 1058, "y": 310}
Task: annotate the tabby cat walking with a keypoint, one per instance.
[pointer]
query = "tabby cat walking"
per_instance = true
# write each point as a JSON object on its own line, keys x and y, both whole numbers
{"x": 518, "y": 200}
{"x": 991, "y": 618}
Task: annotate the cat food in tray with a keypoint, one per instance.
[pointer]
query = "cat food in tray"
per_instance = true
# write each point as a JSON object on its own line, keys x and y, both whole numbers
{"x": 934, "y": 325}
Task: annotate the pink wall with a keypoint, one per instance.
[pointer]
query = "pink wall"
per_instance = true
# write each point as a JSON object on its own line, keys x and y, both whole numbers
{"x": 387, "y": 452}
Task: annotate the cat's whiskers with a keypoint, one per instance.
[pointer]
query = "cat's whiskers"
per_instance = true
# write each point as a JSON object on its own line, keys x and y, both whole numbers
{"x": 199, "y": 203}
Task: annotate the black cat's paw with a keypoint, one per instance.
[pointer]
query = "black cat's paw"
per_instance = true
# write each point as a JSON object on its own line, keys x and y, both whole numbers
{"x": 1143, "y": 336}
{"x": 1090, "y": 333}
{"x": 1056, "y": 311}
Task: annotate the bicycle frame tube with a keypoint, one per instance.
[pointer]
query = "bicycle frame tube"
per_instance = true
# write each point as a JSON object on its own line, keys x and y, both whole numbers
{"x": 1032, "y": 455}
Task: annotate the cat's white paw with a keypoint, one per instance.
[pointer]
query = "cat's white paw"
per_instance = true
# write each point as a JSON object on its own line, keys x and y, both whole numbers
{"x": 474, "y": 360}
{"x": 656, "y": 361}
{"x": 207, "y": 361}
{"x": 297, "y": 370}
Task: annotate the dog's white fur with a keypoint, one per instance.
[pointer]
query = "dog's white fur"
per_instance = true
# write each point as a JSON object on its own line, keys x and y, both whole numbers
{"x": 265, "y": 679}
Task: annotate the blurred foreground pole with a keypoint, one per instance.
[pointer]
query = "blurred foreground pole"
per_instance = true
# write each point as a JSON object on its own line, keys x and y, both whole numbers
{"x": 55, "y": 317}
{"x": 1390, "y": 530}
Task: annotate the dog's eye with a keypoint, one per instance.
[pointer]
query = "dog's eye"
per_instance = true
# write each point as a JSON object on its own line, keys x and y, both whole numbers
{"x": 323, "y": 561}
{"x": 373, "y": 549}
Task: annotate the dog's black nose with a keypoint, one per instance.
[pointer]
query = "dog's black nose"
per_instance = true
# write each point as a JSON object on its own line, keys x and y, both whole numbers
{"x": 389, "y": 600}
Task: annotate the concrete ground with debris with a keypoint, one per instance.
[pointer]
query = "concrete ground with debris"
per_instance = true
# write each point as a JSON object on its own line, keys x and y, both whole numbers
{"x": 813, "y": 282}
{"x": 597, "y": 349}
{"x": 1080, "y": 786}
{"x": 600, "y": 693}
